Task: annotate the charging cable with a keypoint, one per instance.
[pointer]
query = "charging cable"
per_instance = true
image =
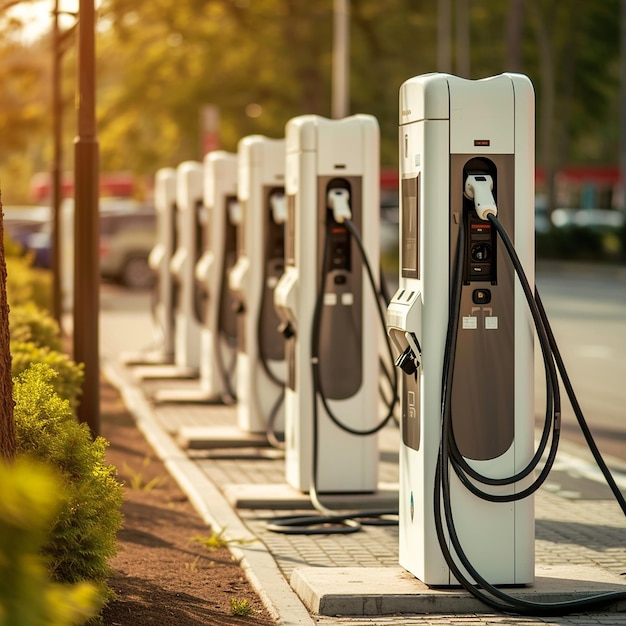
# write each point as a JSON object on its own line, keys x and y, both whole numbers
{"x": 278, "y": 210}
{"x": 449, "y": 455}
{"x": 228, "y": 395}
{"x": 329, "y": 521}
{"x": 339, "y": 203}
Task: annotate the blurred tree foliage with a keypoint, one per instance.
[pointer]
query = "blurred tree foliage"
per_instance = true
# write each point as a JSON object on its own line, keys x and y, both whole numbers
{"x": 161, "y": 61}
{"x": 24, "y": 111}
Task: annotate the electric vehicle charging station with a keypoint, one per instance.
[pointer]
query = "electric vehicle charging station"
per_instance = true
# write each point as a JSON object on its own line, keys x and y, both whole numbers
{"x": 187, "y": 310}
{"x": 219, "y": 331}
{"x": 332, "y": 174}
{"x": 159, "y": 261}
{"x": 466, "y": 150}
{"x": 188, "y": 316}
{"x": 260, "y": 262}
{"x": 161, "y": 256}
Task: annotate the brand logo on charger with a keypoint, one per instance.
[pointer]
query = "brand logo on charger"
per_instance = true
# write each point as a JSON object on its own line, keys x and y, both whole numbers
{"x": 406, "y": 112}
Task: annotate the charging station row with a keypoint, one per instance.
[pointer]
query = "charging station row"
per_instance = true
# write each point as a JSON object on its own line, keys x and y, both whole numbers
{"x": 259, "y": 276}
{"x": 266, "y": 292}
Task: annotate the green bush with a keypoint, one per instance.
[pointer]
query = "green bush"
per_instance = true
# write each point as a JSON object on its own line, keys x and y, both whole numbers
{"x": 29, "y": 323}
{"x": 31, "y": 496}
{"x": 11, "y": 247}
{"x": 28, "y": 284}
{"x": 69, "y": 379}
{"x": 83, "y": 535}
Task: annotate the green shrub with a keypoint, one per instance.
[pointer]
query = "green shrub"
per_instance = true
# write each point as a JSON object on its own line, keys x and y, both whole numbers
{"x": 31, "y": 496}
{"x": 28, "y": 284}
{"x": 69, "y": 379}
{"x": 29, "y": 323}
{"x": 11, "y": 247}
{"x": 83, "y": 535}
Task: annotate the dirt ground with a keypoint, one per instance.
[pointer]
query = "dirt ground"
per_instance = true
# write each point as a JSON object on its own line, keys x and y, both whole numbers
{"x": 162, "y": 574}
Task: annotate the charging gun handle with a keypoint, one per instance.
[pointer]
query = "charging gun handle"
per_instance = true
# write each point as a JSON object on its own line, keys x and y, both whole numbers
{"x": 339, "y": 201}
{"x": 409, "y": 360}
{"x": 478, "y": 187}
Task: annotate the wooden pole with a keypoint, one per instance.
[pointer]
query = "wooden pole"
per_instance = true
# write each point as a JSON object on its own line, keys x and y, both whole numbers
{"x": 86, "y": 223}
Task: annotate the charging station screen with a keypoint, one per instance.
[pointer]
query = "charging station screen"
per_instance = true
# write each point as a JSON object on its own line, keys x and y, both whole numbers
{"x": 174, "y": 228}
{"x": 410, "y": 227}
{"x": 241, "y": 231}
{"x": 290, "y": 227}
{"x": 202, "y": 236}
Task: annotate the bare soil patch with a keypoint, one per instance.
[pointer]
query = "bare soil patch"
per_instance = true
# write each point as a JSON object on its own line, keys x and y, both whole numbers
{"x": 161, "y": 574}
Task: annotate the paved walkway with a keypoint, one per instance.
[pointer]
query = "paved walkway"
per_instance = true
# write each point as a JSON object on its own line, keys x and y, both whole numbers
{"x": 579, "y": 527}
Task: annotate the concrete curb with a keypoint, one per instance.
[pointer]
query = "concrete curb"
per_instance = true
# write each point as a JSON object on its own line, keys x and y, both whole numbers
{"x": 258, "y": 563}
{"x": 384, "y": 591}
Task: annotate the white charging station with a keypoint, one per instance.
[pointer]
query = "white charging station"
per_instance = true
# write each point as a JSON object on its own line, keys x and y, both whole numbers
{"x": 161, "y": 351}
{"x": 260, "y": 263}
{"x": 332, "y": 173}
{"x": 466, "y": 146}
{"x": 160, "y": 258}
{"x": 219, "y": 331}
{"x": 188, "y": 313}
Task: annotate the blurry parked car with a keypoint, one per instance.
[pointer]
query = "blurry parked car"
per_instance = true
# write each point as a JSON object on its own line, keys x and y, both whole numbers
{"x": 20, "y": 222}
{"x": 126, "y": 240}
{"x": 127, "y": 235}
{"x": 601, "y": 220}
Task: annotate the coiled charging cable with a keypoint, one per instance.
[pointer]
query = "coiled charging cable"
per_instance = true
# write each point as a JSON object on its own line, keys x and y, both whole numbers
{"x": 332, "y": 522}
{"x": 225, "y": 372}
{"x": 450, "y": 456}
{"x": 274, "y": 438}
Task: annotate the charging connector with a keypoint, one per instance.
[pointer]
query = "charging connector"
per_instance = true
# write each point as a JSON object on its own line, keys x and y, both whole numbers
{"x": 408, "y": 361}
{"x": 279, "y": 207}
{"x": 339, "y": 202}
{"x": 479, "y": 188}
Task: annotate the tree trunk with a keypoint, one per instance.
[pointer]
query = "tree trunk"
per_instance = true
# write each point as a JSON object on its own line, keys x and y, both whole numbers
{"x": 542, "y": 23}
{"x": 514, "y": 29}
{"x": 7, "y": 424}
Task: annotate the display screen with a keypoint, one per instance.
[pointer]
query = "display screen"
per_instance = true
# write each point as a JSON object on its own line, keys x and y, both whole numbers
{"x": 290, "y": 231}
{"x": 409, "y": 231}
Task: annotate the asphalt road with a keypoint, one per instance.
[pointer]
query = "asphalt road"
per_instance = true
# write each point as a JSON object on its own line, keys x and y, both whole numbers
{"x": 587, "y": 312}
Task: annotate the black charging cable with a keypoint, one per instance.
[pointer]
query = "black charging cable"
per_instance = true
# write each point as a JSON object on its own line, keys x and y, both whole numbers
{"x": 329, "y": 521}
{"x": 448, "y": 453}
{"x": 228, "y": 395}
{"x": 315, "y": 342}
{"x": 582, "y": 422}
{"x": 274, "y": 438}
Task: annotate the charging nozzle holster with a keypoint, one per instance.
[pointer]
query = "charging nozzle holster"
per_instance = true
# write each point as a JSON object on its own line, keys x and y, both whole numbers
{"x": 408, "y": 362}
{"x": 404, "y": 324}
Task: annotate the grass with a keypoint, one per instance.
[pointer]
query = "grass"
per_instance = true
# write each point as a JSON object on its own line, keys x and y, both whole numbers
{"x": 137, "y": 480}
{"x": 217, "y": 540}
{"x": 240, "y": 607}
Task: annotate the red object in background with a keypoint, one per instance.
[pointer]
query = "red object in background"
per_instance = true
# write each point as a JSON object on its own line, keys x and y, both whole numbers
{"x": 389, "y": 178}
{"x": 210, "y": 142}
{"x": 119, "y": 185}
{"x": 598, "y": 174}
